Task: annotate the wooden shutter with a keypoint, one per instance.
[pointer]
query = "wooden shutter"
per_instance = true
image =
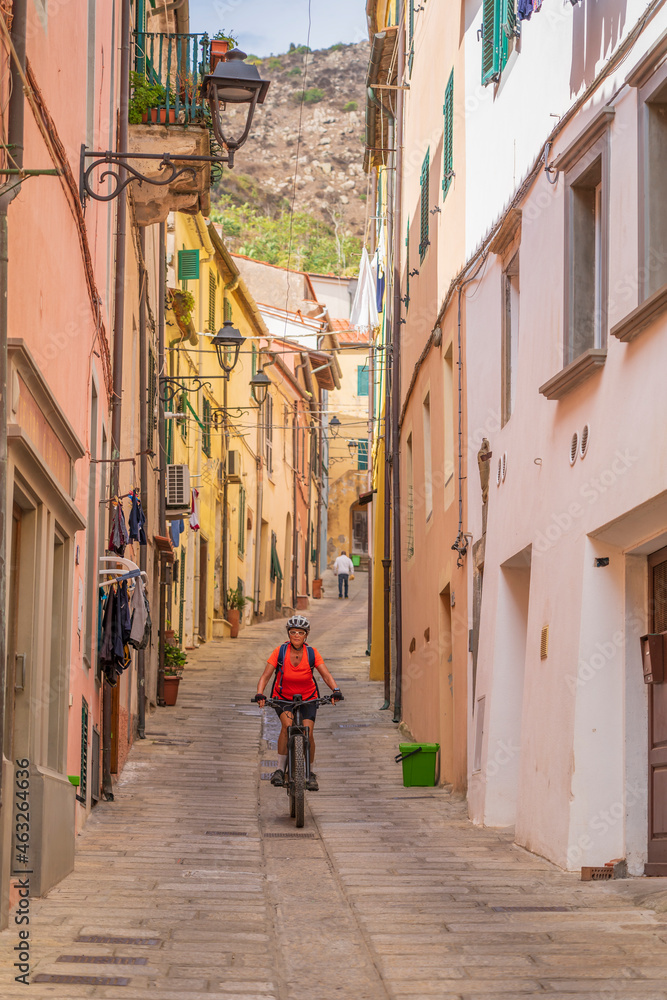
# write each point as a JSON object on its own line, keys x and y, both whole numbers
{"x": 211, "y": 301}
{"x": 362, "y": 454}
{"x": 152, "y": 402}
{"x": 411, "y": 34}
{"x": 490, "y": 40}
{"x": 448, "y": 136}
{"x": 241, "y": 520}
{"x": 508, "y": 30}
{"x": 227, "y": 309}
{"x": 423, "y": 229}
{"x": 206, "y": 428}
{"x": 188, "y": 265}
{"x": 362, "y": 380}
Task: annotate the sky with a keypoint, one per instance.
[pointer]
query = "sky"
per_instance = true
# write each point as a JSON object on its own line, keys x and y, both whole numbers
{"x": 268, "y": 26}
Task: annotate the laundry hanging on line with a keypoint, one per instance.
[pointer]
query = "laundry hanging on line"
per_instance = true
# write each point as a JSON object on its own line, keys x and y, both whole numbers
{"x": 194, "y": 511}
{"x": 116, "y": 628}
{"x": 140, "y": 630}
{"x": 119, "y": 536}
{"x": 137, "y": 521}
{"x": 176, "y": 529}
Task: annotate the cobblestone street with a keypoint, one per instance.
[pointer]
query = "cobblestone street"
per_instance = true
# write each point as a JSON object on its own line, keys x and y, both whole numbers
{"x": 388, "y": 892}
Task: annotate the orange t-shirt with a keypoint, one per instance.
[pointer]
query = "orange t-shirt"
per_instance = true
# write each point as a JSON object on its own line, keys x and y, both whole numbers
{"x": 295, "y": 679}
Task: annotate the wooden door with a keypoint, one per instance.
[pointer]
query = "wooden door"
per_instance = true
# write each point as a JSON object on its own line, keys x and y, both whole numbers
{"x": 657, "y": 725}
{"x": 16, "y": 660}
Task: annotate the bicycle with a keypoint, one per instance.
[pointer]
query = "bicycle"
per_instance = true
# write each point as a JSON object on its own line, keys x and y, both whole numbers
{"x": 298, "y": 750}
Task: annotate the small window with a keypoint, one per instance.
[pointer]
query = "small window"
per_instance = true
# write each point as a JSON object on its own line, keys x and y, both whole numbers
{"x": 424, "y": 241}
{"x": 586, "y": 242}
{"x": 499, "y": 29}
{"x": 206, "y": 428}
{"x": 448, "y": 136}
{"x": 653, "y": 267}
{"x": 362, "y": 380}
{"x": 362, "y": 455}
{"x": 188, "y": 265}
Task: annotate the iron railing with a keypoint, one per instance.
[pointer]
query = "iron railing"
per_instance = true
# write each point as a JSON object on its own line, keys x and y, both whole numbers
{"x": 178, "y": 64}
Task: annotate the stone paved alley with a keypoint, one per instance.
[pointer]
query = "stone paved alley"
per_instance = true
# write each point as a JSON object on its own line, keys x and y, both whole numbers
{"x": 388, "y": 892}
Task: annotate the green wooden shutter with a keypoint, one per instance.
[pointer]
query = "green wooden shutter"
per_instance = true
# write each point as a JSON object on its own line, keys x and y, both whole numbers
{"x": 211, "y": 301}
{"x": 490, "y": 40}
{"x": 423, "y": 230}
{"x": 362, "y": 454}
{"x": 227, "y": 309}
{"x": 188, "y": 265}
{"x": 182, "y": 408}
{"x": 206, "y": 428}
{"x": 411, "y": 34}
{"x": 448, "y": 136}
{"x": 508, "y": 29}
{"x": 362, "y": 380}
{"x": 254, "y": 360}
{"x": 152, "y": 402}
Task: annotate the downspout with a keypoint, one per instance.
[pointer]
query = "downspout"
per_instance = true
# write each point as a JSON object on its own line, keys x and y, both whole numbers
{"x": 15, "y": 143}
{"x": 295, "y": 533}
{"x": 396, "y": 389}
{"x": 162, "y": 456}
{"x": 230, "y": 286}
{"x": 119, "y": 318}
{"x": 371, "y": 422}
{"x": 386, "y": 554}
{"x": 260, "y": 496}
{"x": 143, "y": 465}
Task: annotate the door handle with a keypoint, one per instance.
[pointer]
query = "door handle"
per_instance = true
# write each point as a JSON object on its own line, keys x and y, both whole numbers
{"x": 19, "y": 658}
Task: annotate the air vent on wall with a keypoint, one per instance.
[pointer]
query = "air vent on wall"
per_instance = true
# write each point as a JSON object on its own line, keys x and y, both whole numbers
{"x": 499, "y": 473}
{"x": 504, "y": 465}
{"x": 583, "y": 442}
{"x": 544, "y": 642}
{"x": 574, "y": 448}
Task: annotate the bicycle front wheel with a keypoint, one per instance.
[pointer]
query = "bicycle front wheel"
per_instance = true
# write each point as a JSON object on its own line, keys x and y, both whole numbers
{"x": 299, "y": 781}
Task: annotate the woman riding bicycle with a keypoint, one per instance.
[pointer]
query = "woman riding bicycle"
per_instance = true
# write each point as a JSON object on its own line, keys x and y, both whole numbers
{"x": 293, "y": 664}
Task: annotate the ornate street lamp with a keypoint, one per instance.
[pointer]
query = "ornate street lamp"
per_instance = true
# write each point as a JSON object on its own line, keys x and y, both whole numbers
{"x": 334, "y": 426}
{"x": 227, "y": 339}
{"x": 352, "y": 447}
{"x": 233, "y": 82}
{"x": 259, "y": 386}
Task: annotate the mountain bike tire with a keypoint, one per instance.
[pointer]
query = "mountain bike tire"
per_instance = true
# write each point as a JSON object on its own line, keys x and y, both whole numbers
{"x": 299, "y": 783}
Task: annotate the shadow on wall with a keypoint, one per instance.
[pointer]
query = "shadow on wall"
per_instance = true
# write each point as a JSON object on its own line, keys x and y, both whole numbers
{"x": 596, "y": 30}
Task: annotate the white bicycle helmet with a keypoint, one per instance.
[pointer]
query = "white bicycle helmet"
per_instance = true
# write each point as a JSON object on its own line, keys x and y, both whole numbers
{"x": 298, "y": 621}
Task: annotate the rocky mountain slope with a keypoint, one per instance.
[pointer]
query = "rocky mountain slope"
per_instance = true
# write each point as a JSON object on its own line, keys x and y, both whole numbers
{"x": 319, "y": 96}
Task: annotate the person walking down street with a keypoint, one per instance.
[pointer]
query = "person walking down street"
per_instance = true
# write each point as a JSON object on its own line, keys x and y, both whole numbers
{"x": 343, "y": 568}
{"x": 294, "y": 664}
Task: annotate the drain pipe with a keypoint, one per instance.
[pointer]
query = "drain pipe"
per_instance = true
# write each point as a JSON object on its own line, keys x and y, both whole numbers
{"x": 386, "y": 554}
{"x": 119, "y": 319}
{"x": 143, "y": 465}
{"x": 15, "y": 144}
{"x": 162, "y": 455}
{"x": 396, "y": 386}
{"x": 260, "y": 497}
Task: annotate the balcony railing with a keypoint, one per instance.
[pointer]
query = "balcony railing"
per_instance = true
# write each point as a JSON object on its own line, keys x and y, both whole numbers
{"x": 177, "y": 64}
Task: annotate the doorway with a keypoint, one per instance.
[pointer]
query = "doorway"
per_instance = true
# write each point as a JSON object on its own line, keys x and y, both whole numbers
{"x": 657, "y": 724}
{"x": 203, "y": 587}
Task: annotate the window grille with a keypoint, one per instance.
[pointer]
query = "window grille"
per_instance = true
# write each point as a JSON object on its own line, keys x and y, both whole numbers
{"x": 423, "y": 229}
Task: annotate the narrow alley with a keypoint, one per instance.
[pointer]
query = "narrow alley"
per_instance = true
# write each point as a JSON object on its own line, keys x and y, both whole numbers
{"x": 195, "y": 883}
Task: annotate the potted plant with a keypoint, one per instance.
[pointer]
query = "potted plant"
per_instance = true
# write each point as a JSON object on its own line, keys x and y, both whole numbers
{"x": 221, "y": 43}
{"x": 235, "y": 605}
{"x": 169, "y": 632}
{"x": 183, "y": 304}
{"x": 147, "y": 100}
{"x": 174, "y": 661}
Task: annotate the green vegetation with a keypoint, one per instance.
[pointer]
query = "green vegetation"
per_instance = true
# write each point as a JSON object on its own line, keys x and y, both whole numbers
{"x": 336, "y": 47}
{"x": 350, "y": 106}
{"x": 311, "y": 96}
{"x": 274, "y": 63}
{"x": 295, "y": 71}
{"x": 144, "y": 97}
{"x": 300, "y": 49}
{"x": 225, "y": 36}
{"x": 249, "y": 230}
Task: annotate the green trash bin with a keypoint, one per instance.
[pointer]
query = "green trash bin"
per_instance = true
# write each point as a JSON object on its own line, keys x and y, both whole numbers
{"x": 418, "y": 761}
{"x": 356, "y": 560}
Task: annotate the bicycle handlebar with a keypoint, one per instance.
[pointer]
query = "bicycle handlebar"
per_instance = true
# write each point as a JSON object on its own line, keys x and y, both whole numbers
{"x": 279, "y": 702}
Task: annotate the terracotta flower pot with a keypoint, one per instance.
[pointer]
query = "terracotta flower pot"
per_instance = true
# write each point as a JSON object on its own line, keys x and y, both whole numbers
{"x": 169, "y": 633}
{"x": 219, "y": 50}
{"x": 171, "y": 690}
{"x": 156, "y": 115}
{"x": 317, "y": 589}
{"x": 234, "y": 619}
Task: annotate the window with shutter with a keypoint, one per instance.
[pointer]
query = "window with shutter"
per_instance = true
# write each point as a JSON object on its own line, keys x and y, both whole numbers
{"x": 227, "y": 309}
{"x": 206, "y": 428}
{"x": 362, "y": 455}
{"x": 448, "y": 136}
{"x": 268, "y": 433}
{"x": 254, "y": 359}
{"x": 362, "y": 380}
{"x": 499, "y": 27}
{"x": 183, "y": 423}
{"x": 423, "y": 230}
{"x": 411, "y": 34}
{"x": 241, "y": 521}
{"x": 188, "y": 265}
{"x": 211, "y": 301}
{"x": 152, "y": 402}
